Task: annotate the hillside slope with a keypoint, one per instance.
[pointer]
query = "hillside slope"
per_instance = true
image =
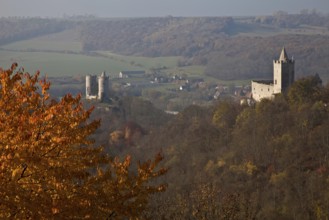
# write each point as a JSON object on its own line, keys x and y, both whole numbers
{"x": 230, "y": 48}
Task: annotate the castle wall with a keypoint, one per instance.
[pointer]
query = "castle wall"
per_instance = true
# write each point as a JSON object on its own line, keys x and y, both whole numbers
{"x": 261, "y": 90}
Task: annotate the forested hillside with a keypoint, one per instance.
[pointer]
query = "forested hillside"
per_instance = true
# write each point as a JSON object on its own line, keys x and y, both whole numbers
{"x": 251, "y": 57}
{"x": 269, "y": 161}
{"x": 15, "y": 29}
{"x": 227, "y": 161}
{"x": 167, "y": 36}
{"x": 230, "y": 48}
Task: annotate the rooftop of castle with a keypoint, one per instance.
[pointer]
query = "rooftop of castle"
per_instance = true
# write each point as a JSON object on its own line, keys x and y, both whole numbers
{"x": 283, "y": 55}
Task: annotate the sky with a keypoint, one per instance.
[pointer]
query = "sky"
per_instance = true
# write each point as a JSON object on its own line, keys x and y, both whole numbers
{"x": 155, "y": 8}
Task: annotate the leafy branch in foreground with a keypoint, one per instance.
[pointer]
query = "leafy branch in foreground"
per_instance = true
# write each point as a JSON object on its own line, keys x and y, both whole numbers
{"x": 48, "y": 164}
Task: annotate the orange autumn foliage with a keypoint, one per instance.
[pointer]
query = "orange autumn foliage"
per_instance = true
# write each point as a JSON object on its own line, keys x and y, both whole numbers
{"x": 48, "y": 164}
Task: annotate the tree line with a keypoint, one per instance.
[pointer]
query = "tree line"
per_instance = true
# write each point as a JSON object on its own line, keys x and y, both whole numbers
{"x": 285, "y": 20}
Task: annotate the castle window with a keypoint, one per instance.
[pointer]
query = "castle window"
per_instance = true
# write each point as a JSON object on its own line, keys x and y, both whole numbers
{"x": 275, "y": 82}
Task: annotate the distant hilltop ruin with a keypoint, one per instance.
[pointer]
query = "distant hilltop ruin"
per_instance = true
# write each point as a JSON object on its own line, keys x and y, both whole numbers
{"x": 97, "y": 86}
{"x": 283, "y": 78}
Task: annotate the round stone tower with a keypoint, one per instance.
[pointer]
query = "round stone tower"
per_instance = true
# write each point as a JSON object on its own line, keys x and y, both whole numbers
{"x": 103, "y": 85}
{"x": 91, "y": 87}
{"x": 88, "y": 84}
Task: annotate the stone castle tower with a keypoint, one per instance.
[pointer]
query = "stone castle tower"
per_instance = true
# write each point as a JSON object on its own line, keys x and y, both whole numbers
{"x": 97, "y": 87}
{"x": 283, "y": 78}
{"x": 283, "y": 72}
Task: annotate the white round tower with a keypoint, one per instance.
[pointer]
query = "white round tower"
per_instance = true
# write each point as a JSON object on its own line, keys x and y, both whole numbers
{"x": 88, "y": 86}
{"x": 91, "y": 87}
{"x": 103, "y": 86}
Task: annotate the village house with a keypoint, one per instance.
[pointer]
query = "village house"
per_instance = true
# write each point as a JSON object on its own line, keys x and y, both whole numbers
{"x": 128, "y": 74}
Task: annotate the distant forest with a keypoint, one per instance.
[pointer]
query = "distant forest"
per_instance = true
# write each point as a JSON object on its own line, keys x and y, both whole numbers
{"x": 230, "y": 48}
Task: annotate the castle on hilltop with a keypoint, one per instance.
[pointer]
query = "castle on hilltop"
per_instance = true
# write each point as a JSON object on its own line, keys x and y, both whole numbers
{"x": 97, "y": 87}
{"x": 283, "y": 78}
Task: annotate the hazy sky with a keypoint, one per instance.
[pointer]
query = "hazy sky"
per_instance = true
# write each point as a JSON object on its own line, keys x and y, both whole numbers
{"x": 146, "y": 8}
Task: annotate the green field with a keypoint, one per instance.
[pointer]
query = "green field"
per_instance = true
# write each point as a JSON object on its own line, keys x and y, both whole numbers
{"x": 143, "y": 62}
{"x": 56, "y": 64}
{"x": 61, "y": 54}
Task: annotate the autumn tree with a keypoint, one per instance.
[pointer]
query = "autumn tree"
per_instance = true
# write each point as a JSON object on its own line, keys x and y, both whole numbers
{"x": 49, "y": 167}
{"x": 307, "y": 89}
